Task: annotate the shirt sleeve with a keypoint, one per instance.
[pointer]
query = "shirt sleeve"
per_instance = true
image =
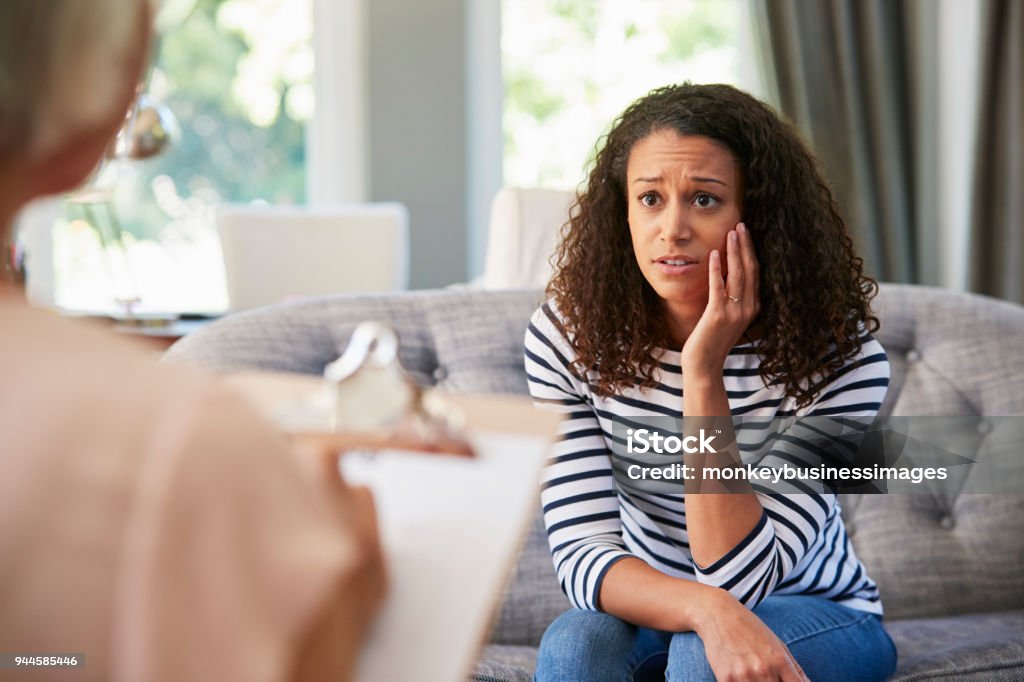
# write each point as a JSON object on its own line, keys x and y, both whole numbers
{"x": 580, "y": 505}
{"x": 790, "y": 524}
{"x": 231, "y": 556}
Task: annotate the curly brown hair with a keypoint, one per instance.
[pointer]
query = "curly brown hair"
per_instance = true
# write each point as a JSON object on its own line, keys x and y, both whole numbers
{"x": 814, "y": 295}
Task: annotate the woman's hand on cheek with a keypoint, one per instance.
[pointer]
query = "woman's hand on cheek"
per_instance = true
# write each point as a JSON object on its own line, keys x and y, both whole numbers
{"x": 733, "y": 305}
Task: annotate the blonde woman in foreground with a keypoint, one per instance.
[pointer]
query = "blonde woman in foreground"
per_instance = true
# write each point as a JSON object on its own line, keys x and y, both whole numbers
{"x": 148, "y": 518}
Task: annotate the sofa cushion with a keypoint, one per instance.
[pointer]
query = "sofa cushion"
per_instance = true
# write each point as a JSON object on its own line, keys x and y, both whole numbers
{"x": 479, "y": 340}
{"x": 505, "y": 663}
{"x": 942, "y": 552}
{"x": 986, "y": 646}
{"x": 458, "y": 340}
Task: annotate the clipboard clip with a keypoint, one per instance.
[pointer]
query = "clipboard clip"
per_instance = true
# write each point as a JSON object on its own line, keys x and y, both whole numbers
{"x": 369, "y": 392}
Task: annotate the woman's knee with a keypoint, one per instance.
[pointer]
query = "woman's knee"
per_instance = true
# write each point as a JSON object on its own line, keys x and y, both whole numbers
{"x": 578, "y": 641}
{"x": 830, "y": 641}
{"x": 595, "y": 626}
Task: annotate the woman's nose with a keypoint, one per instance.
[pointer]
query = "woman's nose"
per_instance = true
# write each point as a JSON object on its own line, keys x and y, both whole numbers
{"x": 675, "y": 224}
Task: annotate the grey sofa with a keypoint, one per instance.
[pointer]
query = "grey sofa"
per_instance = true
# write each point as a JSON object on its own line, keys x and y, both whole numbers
{"x": 950, "y": 567}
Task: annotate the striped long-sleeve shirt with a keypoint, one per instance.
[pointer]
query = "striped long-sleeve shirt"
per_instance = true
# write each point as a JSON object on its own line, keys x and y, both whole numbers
{"x": 799, "y": 545}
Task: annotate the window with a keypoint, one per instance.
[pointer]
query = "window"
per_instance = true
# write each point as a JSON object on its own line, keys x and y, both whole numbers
{"x": 238, "y": 76}
{"x": 571, "y": 67}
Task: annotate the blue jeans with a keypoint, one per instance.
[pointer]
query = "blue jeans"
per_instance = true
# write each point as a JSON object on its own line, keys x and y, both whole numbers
{"x": 831, "y": 642}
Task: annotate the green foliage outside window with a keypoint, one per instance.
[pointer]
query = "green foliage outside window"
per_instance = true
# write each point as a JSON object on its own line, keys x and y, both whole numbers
{"x": 571, "y": 66}
{"x": 230, "y": 149}
{"x": 237, "y": 75}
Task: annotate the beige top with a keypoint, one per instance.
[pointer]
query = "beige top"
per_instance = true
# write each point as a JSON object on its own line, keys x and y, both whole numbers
{"x": 148, "y": 518}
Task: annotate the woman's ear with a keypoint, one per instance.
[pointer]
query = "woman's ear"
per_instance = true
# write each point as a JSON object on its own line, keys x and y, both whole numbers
{"x": 68, "y": 165}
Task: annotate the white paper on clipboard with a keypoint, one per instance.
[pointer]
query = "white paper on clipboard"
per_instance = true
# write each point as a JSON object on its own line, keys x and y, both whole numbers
{"x": 451, "y": 528}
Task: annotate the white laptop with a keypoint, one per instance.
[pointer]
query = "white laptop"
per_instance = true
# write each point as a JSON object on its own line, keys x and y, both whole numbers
{"x": 274, "y": 253}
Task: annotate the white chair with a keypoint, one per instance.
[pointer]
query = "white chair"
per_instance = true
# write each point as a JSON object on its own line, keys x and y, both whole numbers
{"x": 523, "y": 233}
{"x": 272, "y": 253}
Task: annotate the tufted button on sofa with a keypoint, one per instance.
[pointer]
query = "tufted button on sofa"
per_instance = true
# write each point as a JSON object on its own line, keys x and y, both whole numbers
{"x": 950, "y": 566}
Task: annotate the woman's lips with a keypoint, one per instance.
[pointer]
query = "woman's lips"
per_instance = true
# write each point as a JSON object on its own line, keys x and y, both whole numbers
{"x": 674, "y": 270}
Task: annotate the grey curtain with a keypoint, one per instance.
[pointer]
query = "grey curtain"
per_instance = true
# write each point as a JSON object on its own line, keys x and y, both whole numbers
{"x": 997, "y": 236}
{"x": 845, "y": 73}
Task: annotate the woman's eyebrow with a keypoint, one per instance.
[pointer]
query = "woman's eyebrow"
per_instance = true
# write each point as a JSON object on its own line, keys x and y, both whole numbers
{"x": 703, "y": 179}
{"x": 656, "y": 178}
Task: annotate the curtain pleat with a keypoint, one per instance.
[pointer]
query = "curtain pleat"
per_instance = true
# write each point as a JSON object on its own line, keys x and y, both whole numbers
{"x": 859, "y": 79}
{"x": 996, "y": 264}
{"x": 842, "y": 71}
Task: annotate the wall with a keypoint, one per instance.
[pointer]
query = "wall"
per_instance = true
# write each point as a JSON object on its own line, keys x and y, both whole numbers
{"x": 417, "y": 123}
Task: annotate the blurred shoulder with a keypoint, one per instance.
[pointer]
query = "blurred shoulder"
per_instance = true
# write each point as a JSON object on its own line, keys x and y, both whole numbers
{"x": 871, "y": 353}
{"x": 45, "y": 357}
{"x": 549, "y": 321}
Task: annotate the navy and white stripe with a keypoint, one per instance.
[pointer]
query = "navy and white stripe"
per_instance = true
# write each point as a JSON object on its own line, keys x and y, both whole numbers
{"x": 799, "y": 546}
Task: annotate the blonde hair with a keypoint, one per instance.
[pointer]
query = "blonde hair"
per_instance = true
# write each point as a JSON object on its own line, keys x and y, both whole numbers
{"x": 64, "y": 65}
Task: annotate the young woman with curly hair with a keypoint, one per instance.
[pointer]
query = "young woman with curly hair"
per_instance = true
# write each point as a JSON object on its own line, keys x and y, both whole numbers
{"x": 704, "y": 271}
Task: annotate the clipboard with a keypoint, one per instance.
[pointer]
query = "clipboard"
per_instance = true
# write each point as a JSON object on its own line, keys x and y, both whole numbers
{"x": 451, "y": 527}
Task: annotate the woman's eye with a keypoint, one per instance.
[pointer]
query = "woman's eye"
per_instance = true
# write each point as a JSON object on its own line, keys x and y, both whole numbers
{"x": 649, "y": 199}
{"x": 705, "y": 200}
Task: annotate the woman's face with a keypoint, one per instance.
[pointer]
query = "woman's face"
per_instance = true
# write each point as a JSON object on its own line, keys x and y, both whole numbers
{"x": 683, "y": 196}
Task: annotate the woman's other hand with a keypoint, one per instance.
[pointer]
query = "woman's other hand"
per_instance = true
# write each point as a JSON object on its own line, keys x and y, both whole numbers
{"x": 741, "y": 648}
{"x": 733, "y": 305}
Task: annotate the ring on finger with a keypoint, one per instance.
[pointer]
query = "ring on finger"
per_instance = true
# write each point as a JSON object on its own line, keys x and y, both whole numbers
{"x": 732, "y": 298}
